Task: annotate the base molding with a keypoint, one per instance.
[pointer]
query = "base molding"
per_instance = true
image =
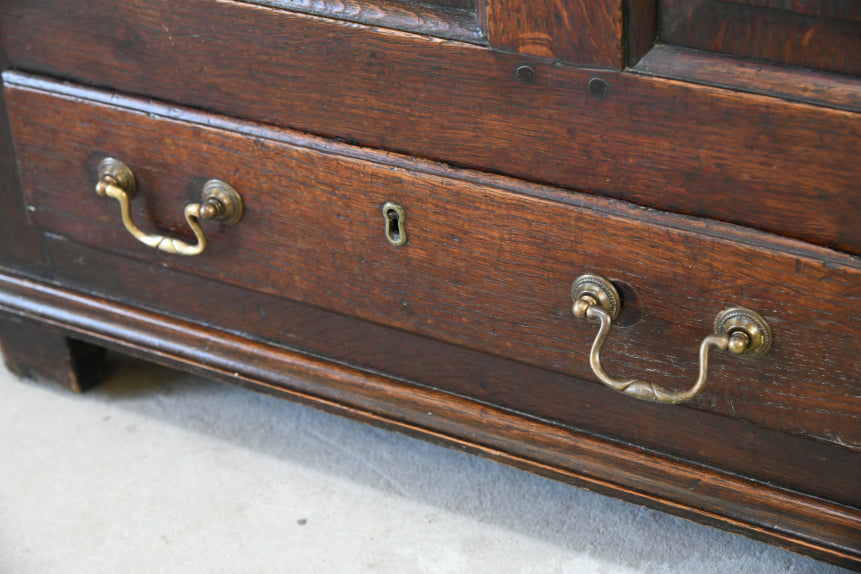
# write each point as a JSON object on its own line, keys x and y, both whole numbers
{"x": 819, "y": 528}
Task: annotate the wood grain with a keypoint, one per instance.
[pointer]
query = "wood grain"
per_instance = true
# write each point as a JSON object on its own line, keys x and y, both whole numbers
{"x": 809, "y": 525}
{"x": 769, "y": 31}
{"x": 823, "y": 89}
{"x": 753, "y": 160}
{"x": 464, "y": 336}
{"x": 693, "y": 435}
{"x": 641, "y": 28}
{"x": 585, "y": 33}
{"x": 495, "y": 280}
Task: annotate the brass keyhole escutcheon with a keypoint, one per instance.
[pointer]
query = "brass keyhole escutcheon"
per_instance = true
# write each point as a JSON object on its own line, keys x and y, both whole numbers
{"x": 395, "y": 221}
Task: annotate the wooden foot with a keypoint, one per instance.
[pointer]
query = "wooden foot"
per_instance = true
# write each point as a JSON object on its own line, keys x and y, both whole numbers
{"x": 35, "y": 351}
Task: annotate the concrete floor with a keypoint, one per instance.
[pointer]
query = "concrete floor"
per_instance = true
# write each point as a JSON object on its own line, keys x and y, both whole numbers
{"x": 157, "y": 471}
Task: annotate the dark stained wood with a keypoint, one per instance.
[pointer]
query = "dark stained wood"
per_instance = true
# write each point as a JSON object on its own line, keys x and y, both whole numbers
{"x": 818, "y": 88}
{"x": 843, "y": 9}
{"x": 452, "y": 19}
{"x": 813, "y": 526}
{"x": 459, "y": 4}
{"x": 20, "y": 244}
{"x": 641, "y": 28}
{"x": 496, "y": 281}
{"x": 585, "y": 33}
{"x": 770, "y": 30}
{"x": 464, "y": 336}
{"x": 717, "y": 441}
{"x": 33, "y": 351}
{"x": 749, "y": 159}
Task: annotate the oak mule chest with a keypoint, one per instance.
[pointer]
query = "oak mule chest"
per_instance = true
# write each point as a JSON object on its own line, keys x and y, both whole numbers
{"x": 614, "y": 242}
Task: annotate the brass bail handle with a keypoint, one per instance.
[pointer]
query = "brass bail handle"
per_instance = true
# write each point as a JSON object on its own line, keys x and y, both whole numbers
{"x": 738, "y": 330}
{"x": 220, "y": 201}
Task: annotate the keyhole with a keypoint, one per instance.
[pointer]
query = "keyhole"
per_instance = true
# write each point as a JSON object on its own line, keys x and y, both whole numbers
{"x": 395, "y": 219}
{"x": 394, "y": 224}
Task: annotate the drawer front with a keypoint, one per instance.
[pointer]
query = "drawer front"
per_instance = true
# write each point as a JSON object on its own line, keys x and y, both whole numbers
{"x": 731, "y": 153}
{"x": 488, "y": 263}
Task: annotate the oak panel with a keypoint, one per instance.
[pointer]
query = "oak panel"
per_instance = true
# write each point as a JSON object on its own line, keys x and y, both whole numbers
{"x": 586, "y": 33}
{"x": 825, "y": 36}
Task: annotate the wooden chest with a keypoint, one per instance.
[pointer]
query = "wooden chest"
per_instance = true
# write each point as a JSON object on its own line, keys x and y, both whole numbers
{"x": 417, "y": 215}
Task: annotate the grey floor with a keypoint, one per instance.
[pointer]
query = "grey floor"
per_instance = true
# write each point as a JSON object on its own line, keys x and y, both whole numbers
{"x": 157, "y": 471}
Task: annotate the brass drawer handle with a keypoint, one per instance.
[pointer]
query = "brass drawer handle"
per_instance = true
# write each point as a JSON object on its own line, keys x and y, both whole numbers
{"x": 739, "y": 330}
{"x": 220, "y": 201}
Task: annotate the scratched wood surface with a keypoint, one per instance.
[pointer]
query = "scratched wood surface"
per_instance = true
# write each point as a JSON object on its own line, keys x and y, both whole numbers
{"x": 495, "y": 280}
{"x": 749, "y": 159}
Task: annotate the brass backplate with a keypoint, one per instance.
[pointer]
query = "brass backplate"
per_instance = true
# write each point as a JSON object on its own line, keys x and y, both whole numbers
{"x": 228, "y": 197}
{"x": 599, "y": 289}
{"x": 735, "y": 319}
{"x": 121, "y": 174}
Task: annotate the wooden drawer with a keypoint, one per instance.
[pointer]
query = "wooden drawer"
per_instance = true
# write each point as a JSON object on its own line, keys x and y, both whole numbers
{"x": 492, "y": 280}
{"x": 464, "y": 334}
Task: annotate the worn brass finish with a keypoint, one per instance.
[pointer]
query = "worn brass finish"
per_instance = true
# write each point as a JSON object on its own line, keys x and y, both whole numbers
{"x": 594, "y": 289}
{"x": 117, "y": 172}
{"x": 395, "y": 219}
{"x": 223, "y": 201}
{"x": 741, "y": 323}
{"x": 220, "y": 201}
{"x": 739, "y": 330}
